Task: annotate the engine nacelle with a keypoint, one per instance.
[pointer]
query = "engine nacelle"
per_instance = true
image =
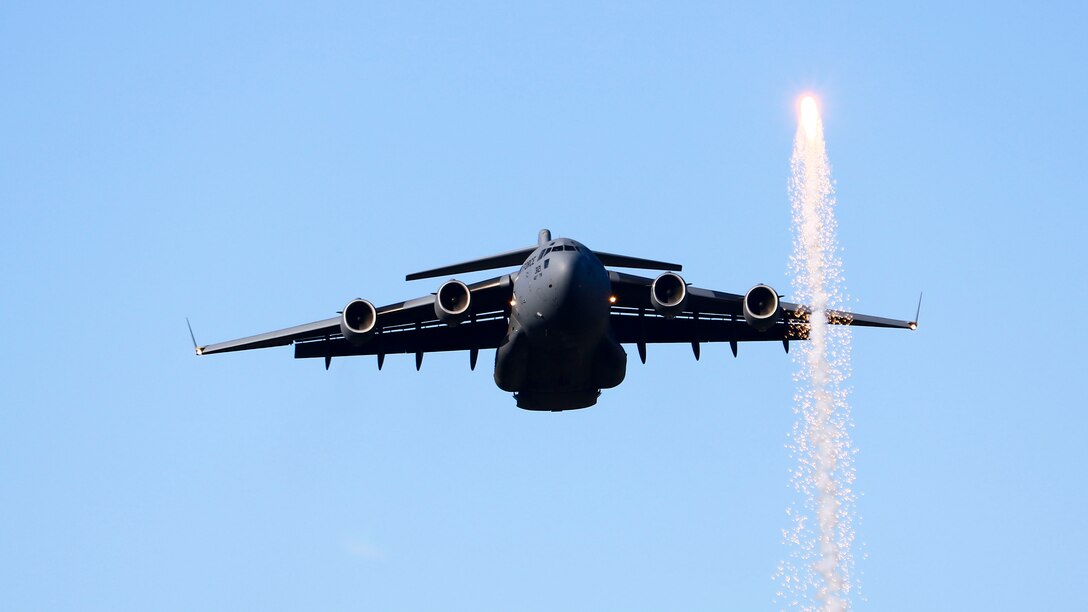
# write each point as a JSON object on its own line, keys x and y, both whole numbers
{"x": 761, "y": 309}
{"x": 358, "y": 321}
{"x": 668, "y": 294}
{"x": 452, "y": 302}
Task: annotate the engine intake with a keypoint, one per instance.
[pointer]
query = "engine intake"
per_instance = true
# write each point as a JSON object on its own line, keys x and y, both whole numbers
{"x": 452, "y": 302}
{"x": 357, "y": 321}
{"x": 668, "y": 294}
{"x": 761, "y": 309}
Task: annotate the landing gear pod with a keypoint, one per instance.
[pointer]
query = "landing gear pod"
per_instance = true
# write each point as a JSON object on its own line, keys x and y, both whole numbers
{"x": 668, "y": 294}
{"x": 452, "y": 302}
{"x": 761, "y": 309}
{"x": 512, "y": 362}
{"x": 358, "y": 321}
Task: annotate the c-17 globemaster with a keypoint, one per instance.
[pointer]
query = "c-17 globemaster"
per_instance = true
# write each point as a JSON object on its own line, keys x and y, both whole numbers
{"x": 558, "y": 322}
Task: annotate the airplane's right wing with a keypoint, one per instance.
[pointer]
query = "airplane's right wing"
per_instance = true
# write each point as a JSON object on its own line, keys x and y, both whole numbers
{"x": 412, "y": 326}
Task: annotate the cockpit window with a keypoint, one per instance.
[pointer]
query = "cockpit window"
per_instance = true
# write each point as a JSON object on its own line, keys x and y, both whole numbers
{"x": 569, "y": 247}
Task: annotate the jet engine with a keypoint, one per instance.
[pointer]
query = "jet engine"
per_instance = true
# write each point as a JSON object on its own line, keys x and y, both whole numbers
{"x": 761, "y": 309}
{"x": 357, "y": 321}
{"x": 668, "y": 294}
{"x": 452, "y": 301}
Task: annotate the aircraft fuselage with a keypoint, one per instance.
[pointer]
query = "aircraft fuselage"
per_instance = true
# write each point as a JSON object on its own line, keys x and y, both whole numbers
{"x": 559, "y": 353}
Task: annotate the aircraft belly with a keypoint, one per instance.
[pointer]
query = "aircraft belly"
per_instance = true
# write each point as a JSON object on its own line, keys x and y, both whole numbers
{"x": 556, "y": 375}
{"x": 558, "y": 366}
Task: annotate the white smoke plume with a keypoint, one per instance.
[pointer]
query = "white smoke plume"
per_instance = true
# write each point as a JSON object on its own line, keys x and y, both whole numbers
{"x": 818, "y": 574}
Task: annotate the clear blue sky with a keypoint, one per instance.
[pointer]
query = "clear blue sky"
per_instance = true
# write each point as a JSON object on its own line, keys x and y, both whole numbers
{"x": 257, "y": 165}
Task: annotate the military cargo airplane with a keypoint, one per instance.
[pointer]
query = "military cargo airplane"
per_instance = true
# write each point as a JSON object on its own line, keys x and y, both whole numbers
{"x": 557, "y": 323}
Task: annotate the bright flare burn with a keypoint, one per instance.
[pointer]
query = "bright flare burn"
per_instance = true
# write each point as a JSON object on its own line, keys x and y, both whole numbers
{"x": 817, "y": 576}
{"x": 810, "y": 118}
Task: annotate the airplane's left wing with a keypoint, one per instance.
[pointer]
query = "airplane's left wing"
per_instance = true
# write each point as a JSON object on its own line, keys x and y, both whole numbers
{"x": 713, "y": 316}
{"x": 412, "y": 326}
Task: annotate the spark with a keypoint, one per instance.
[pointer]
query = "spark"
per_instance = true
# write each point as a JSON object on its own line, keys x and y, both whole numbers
{"x": 818, "y": 576}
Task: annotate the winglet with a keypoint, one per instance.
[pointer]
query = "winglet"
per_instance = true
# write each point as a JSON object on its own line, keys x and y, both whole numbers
{"x": 914, "y": 323}
{"x": 198, "y": 349}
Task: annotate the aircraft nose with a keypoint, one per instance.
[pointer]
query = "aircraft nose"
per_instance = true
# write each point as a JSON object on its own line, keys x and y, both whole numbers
{"x": 569, "y": 269}
{"x": 581, "y": 291}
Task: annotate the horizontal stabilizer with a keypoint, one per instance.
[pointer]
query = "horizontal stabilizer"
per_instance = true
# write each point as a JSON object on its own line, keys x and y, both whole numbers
{"x": 623, "y": 261}
{"x": 513, "y": 259}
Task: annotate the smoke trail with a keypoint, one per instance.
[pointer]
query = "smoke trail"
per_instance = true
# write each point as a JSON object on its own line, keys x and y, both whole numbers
{"x": 818, "y": 573}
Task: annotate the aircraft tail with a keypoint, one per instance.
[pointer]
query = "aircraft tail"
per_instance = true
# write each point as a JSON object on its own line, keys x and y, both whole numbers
{"x": 513, "y": 259}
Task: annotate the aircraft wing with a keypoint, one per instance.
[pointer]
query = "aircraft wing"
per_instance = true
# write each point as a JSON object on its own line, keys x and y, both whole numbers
{"x": 404, "y": 327}
{"x": 712, "y": 316}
